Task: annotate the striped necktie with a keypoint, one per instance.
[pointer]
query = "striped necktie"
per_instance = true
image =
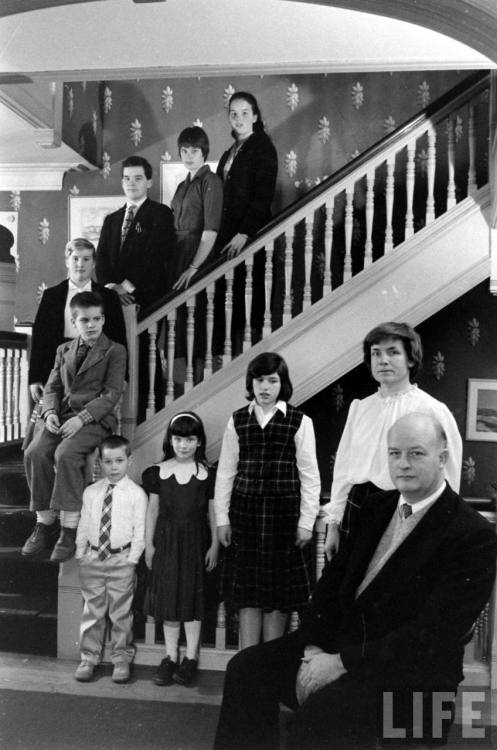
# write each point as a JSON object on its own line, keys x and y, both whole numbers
{"x": 104, "y": 536}
{"x": 128, "y": 220}
{"x": 405, "y": 510}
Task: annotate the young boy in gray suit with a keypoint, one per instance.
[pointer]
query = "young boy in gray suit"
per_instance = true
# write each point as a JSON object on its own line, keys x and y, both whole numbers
{"x": 79, "y": 399}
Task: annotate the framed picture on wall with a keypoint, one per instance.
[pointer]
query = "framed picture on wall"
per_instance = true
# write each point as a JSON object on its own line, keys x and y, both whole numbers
{"x": 87, "y": 213}
{"x": 171, "y": 174}
{"x": 481, "y": 415}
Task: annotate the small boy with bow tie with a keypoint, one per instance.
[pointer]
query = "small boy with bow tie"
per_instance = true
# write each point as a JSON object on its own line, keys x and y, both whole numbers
{"x": 79, "y": 399}
{"x": 109, "y": 542}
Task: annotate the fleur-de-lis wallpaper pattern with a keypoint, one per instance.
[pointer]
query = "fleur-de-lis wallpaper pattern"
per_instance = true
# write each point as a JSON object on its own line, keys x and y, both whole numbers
{"x": 464, "y": 357}
{"x": 318, "y": 123}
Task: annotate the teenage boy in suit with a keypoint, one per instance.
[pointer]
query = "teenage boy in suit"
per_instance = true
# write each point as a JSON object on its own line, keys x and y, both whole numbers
{"x": 79, "y": 398}
{"x": 137, "y": 241}
{"x": 53, "y": 323}
{"x": 389, "y": 617}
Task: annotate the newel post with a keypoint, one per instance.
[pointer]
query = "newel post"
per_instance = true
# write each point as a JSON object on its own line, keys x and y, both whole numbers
{"x": 130, "y": 401}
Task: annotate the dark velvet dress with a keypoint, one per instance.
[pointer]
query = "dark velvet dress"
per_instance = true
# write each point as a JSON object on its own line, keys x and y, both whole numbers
{"x": 177, "y": 588}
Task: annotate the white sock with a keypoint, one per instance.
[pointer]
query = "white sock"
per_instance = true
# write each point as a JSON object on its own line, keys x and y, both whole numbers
{"x": 47, "y": 517}
{"x": 69, "y": 519}
{"x": 171, "y": 639}
{"x": 192, "y": 632}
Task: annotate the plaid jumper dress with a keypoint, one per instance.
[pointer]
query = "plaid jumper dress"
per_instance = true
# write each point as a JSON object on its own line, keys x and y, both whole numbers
{"x": 262, "y": 567}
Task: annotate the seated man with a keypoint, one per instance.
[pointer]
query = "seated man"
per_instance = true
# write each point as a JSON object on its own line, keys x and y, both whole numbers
{"x": 53, "y": 323}
{"x": 388, "y": 617}
{"x": 82, "y": 391}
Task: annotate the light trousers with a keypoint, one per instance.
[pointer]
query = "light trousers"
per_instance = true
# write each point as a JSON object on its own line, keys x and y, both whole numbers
{"x": 107, "y": 587}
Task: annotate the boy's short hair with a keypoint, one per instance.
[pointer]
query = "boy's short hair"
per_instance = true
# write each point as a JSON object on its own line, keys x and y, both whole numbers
{"x": 114, "y": 441}
{"x": 196, "y": 138}
{"x": 137, "y": 161}
{"x": 269, "y": 363}
{"x": 79, "y": 243}
{"x": 83, "y": 300}
{"x": 402, "y": 331}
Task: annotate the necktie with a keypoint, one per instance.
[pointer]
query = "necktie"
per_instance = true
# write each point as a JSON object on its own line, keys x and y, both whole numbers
{"x": 128, "y": 220}
{"x": 104, "y": 536}
{"x": 83, "y": 350}
{"x": 405, "y": 510}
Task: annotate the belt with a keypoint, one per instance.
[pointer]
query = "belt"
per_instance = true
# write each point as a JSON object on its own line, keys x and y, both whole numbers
{"x": 113, "y": 550}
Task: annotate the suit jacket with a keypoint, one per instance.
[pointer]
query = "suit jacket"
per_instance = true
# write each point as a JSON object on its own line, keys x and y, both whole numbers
{"x": 96, "y": 387}
{"x": 48, "y": 328}
{"x": 143, "y": 258}
{"x": 409, "y": 625}
{"x": 249, "y": 187}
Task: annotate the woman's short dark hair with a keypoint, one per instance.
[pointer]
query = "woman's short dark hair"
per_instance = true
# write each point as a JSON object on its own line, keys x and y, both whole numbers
{"x": 186, "y": 424}
{"x": 250, "y": 99}
{"x": 269, "y": 363}
{"x": 196, "y": 138}
{"x": 402, "y": 331}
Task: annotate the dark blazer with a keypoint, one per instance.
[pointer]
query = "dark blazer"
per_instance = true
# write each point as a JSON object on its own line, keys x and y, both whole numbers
{"x": 97, "y": 386}
{"x": 147, "y": 249}
{"x": 410, "y": 623}
{"x": 249, "y": 187}
{"x": 48, "y": 328}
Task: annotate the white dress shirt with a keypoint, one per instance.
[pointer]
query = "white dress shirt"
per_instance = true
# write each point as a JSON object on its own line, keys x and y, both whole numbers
{"x": 362, "y": 454}
{"x": 307, "y": 466}
{"x": 70, "y": 331}
{"x": 129, "y": 509}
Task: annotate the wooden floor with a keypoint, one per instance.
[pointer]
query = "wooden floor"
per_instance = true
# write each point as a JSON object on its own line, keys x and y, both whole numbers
{"x": 46, "y": 674}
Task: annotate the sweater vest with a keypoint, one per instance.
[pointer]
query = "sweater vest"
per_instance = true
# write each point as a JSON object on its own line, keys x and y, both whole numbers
{"x": 267, "y": 463}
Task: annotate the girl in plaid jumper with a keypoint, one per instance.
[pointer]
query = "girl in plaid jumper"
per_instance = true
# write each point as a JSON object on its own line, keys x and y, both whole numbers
{"x": 266, "y": 501}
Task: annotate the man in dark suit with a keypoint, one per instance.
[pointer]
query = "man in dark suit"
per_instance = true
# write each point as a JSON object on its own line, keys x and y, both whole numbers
{"x": 386, "y": 624}
{"x": 136, "y": 241}
{"x": 53, "y": 326}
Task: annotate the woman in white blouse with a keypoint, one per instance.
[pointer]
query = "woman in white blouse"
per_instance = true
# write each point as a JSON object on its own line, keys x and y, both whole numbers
{"x": 393, "y": 353}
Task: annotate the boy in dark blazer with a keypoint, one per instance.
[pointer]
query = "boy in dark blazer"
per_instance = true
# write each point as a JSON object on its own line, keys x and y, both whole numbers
{"x": 387, "y": 621}
{"x": 79, "y": 399}
{"x": 52, "y": 325}
{"x": 135, "y": 246}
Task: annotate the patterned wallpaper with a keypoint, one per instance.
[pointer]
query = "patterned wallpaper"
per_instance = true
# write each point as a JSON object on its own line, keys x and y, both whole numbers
{"x": 458, "y": 343}
{"x": 317, "y": 122}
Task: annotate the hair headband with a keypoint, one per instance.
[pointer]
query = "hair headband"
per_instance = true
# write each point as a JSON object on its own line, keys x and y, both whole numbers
{"x": 184, "y": 414}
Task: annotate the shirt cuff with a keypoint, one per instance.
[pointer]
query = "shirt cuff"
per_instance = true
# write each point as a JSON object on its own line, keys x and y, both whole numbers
{"x": 128, "y": 286}
{"x": 306, "y": 522}
{"x": 222, "y": 519}
{"x": 85, "y": 416}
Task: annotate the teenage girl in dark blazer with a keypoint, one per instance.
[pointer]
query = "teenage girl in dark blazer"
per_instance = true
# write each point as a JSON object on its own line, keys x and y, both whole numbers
{"x": 248, "y": 170}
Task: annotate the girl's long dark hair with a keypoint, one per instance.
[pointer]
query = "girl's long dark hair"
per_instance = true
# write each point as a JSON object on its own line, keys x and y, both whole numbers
{"x": 186, "y": 424}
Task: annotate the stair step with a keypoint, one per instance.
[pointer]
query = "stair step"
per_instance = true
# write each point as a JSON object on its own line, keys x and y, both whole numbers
{"x": 23, "y": 604}
{"x": 28, "y": 633}
{"x": 14, "y": 488}
{"x": 22, "y": 575}
{"x": 16, "y": 524}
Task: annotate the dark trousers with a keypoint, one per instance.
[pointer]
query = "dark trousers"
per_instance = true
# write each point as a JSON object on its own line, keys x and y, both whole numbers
{"x": 346, "y": 714}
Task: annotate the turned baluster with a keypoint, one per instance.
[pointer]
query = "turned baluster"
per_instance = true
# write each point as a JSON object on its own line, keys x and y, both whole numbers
{"x": 247, "y": 334}
{"x": 287, "y": 305}
{"x": 328, "y": 244}
{"x": 209, "y": 325}
{"x": 228, "y": 314}
{"x": 268, "y": 285}
{"x": 430, "y": 176}
{"x": 472, "y": 151}
{"x": 16, "y": 391}
{"x": 152, "y": 365}
{"x": 451, "y": 185}
{"x": 349, "y": 223}
{"x": 309, "y": 226}
{"x": 8, "y": 393}
{"x": 368, "y": 246}
{"x": 171, "y": 345}
{"x": 410, "y": 177}
{"x": 389, "y": 194}
{"x": 190, "y": 335}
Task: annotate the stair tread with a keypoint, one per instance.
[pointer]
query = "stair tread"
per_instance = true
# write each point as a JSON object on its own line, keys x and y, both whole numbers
{"x": 23, "y": 604}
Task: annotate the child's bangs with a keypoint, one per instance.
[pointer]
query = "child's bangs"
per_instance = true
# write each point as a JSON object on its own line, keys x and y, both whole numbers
{"x": 185, "y": 427}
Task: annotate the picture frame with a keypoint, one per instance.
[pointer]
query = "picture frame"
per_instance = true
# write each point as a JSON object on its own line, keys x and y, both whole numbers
{"x": 481, "y": 413}
{"x": 171, "y": 174}
{"x": 87, "y": 213}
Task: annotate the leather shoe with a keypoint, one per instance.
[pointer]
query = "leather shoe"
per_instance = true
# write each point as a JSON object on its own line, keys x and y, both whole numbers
{"x": 41, "y": 540}
{"x": 120, "y": 673}
{"x": 84, "y": 672}
{"x": 164, "y": 672}
{"x": 186, "y": 672}
{"x": 65, "y": 547}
